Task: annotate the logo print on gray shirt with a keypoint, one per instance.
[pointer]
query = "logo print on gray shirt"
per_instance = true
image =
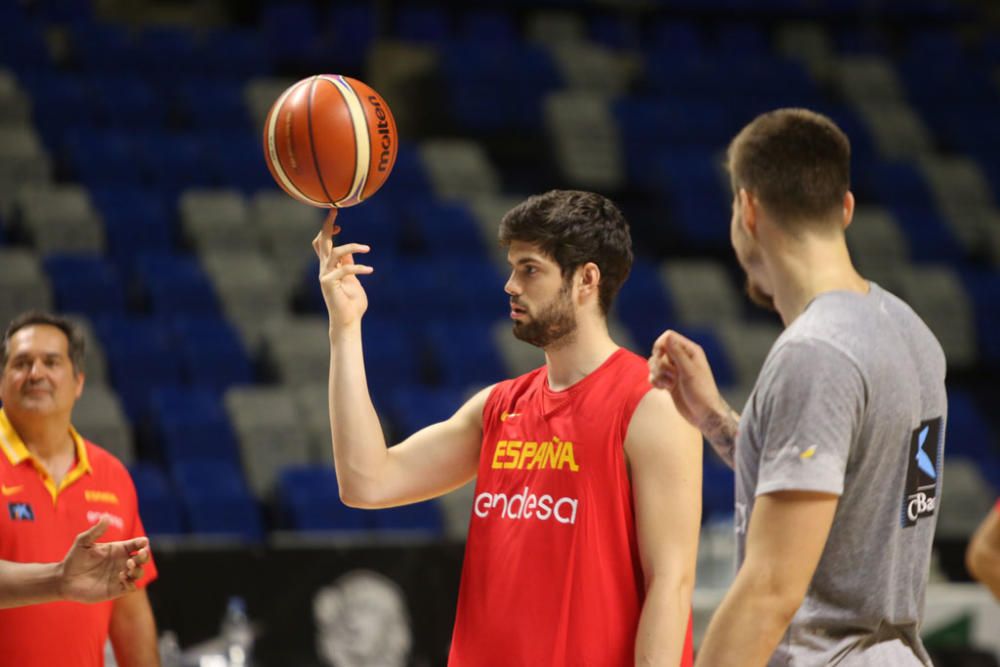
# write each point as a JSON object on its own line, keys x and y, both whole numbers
{"x": 920, "y": 494}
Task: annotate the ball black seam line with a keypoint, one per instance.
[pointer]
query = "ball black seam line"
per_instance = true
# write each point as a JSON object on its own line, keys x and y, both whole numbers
{"x": 312, "y": 139}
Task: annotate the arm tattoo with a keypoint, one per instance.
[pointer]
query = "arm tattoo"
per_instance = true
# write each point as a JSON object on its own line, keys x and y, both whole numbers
{"x": 720, "y": 430}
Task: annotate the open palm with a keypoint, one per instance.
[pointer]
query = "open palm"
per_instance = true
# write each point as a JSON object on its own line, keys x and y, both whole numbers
{"x": 93, "y": 572}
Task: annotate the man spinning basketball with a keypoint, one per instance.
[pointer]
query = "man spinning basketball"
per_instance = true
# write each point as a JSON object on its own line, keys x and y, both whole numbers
{"x": 583, "y": 536}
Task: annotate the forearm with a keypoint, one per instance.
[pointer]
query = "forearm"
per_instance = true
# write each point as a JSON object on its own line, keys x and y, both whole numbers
{"x": 28, "y": 583}
{"x": 663, "y": 624}
{"x": 133, "y": 631}
{"x": 359, "y": 447}
{"x": 984, "y": 566}
{"x": 746, "y": 628}
{"x": 720, "y": 428}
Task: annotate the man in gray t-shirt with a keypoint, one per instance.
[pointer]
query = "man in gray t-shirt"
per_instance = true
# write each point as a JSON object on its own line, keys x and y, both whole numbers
{"x": 838, "y": 452}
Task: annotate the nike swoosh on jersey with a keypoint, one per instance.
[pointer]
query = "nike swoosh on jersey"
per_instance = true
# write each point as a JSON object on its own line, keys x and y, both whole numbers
{"x": 10, "y": 490}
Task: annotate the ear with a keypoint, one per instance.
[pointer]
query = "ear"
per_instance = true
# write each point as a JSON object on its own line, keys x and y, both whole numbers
{"x": 749, "y": 209}
{"x": 80, "y": 379}
{"x": 848, "y": 209}
{"x": 588, "y": 279}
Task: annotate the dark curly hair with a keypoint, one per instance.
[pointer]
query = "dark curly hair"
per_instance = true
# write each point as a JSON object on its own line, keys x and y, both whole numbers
{"x": 574, "y": 228}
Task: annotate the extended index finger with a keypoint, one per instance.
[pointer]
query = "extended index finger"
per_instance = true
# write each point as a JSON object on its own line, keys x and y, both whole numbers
{"x": 324, "y": 239}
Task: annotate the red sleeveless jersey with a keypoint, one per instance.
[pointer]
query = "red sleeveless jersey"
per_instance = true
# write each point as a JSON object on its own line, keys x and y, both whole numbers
{"x": 552, "y": 575}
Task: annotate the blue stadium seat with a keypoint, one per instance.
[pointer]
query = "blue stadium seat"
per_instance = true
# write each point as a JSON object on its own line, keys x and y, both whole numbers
{"x": 464, "y": 353}
{"x": 309, "y": 499}
{"x": 140, "y": 357}
{"x": 158, "y": 504}
{"x": 211, "y": 353}
{"x": 167, "y": 54}
{"x": 408, "y": 176}
{"x": 422, "y": 24}
{"x": 643, "y": 305}
{"x": 351, "y": 30}
{"x": 443, "y": 229}
{"x": 412, "y": 408}
{"x": 470, "y": 288}
{"x": 699, "y": 201}
{"x": 741, "y": 40}
{"x": 128, "y": 102}
{"x": 676, "y": 40}
{"x": 137, "y": 221}
{"x": 279, "y": 21}
{"x": 60, "y": 102}
{"x": 718, "y": 488}
{"x": 424, "y": 518}
{"x": 487, "y": 26}
{"x": 715, "y": 351}
{"x": 392, "y": 354}
{"x": 191, "y": 425}
{"x": 174, "y": 161}
{"x": 175, "y": 285}
{"x": 217, "y": 501}
{"x": 102, "y": 158}
{"x": 212, "y": 105}
{"x": 104, "y": 48}
{"x": 235, "y": 159}
{"x": 233, "y": 53}
{"x": 984, "y": 289}
{"x": 86, "y": 284}
{"x": 967, "y": 431}
{"x": 929, "y": 236}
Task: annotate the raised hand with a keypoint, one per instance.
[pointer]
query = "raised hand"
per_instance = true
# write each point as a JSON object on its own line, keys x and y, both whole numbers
{"x": 679, "y": 366}
{"x": 94, "y": 572}
{"x": 345, "y": 298}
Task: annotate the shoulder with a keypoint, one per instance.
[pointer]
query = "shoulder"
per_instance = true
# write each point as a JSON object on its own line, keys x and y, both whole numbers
{"x": 107, "y": 465}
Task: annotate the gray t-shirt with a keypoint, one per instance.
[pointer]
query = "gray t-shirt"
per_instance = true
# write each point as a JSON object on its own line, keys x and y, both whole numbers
{"x": 851, "y": 401}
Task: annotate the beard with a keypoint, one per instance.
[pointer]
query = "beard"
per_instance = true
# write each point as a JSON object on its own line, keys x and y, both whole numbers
{"x": 553, "y": 326}
{"x": 759, "y": 296}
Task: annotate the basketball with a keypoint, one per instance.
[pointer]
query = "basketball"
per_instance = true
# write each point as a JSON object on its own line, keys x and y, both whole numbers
{"x": 330, "y": 141}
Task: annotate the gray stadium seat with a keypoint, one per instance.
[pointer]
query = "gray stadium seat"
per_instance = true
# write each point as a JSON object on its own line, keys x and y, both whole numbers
{"x": 896, "y": 128}
{"x": 585, "y": 139}
{"x": 555, "y": 27}
{"x": 15, "y": 105}
{"x": 937, "y": 295}
{"x": 95, "y": 364}
{"x": 701, "y": 291}
{"x": 23, "y": 284}
{"x": 965, "y": 498}
{"x": 260, "y": 93}
{"x": 286, "y": 229}
{"x": 298, "y": 349}
{"x": 459, "y": 169}
{"x": 269, "y": 428}
{"x": 875, "y": 240}
{"x": 594, "y": 68}
{"x": 519, "y": 357}
{"x": 964, "y": 196}
{"x": 747, "y": 345}
{"x": 216, "y": 219}
{"x": 23, "y": 162}
{"x": 99, "y": 417}
{"x": 314, "y": 406}
{"x": 248, "y": 286}
{"x": 59, "y": 219}
{"x": 808, "y": 43}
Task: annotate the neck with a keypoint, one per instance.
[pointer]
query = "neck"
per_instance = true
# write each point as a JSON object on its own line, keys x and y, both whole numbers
{"x": 46, "y": 438}
{"x": 804, "y": 269}
{"x": 591, "y": 345}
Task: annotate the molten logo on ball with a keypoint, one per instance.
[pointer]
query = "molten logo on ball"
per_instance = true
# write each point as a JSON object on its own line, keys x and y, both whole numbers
{"x": 330, "y": 141}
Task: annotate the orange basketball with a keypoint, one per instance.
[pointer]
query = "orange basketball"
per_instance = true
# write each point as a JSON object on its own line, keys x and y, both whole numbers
{"x": 330, "y": 141}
